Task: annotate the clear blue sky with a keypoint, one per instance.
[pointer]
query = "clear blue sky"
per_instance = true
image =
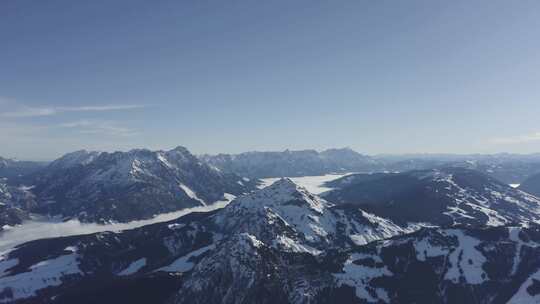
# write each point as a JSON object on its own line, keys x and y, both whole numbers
{"x": 233, "y": 76}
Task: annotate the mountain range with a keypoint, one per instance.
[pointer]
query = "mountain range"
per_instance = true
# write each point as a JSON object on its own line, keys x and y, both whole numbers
{"x": 280, "y": 244}
{"x": 440, "y": 229}
{"x": 292, "y": 163}
{"x": 124, "y": 186}
{"x": 507, "y": 168}
{"x": 441, "y": 197}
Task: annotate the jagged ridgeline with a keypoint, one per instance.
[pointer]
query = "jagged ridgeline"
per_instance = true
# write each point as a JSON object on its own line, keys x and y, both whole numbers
{"x": 125, "y": 186}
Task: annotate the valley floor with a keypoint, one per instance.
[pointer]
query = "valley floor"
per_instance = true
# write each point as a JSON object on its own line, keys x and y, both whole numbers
{"x": 41, "y": 228}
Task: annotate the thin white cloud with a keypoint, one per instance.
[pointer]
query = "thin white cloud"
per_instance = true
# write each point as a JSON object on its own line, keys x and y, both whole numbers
{"x": 26, "y": 111}
{"x": 98, "y": 127}
{"x": 518, "y": 139}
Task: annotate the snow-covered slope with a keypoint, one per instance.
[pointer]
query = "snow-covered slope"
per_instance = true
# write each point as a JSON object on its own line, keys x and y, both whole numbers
{"x": 81, "y": 157}
{"x": 124, "y": 186}
{"x": 280, "y": 244}
{"x": 438, "y": 196}
{"x": 283, "y": 218}
{"x": 455, "y": 265}
{"x": 495, "y": 265}
{"x": 288, "y": 217}
{"x": 184, "y": 262}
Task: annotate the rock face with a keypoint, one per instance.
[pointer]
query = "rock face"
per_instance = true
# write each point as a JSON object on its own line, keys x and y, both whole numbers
{"x": 531, "y": 185}
{"x": 292, "y": 163}
{"x": 123, "y": 186}
{"x": 439, "y": 196}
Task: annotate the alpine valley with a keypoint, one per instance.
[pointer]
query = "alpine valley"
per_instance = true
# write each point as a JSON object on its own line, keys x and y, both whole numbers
{"x": 446, "y": 233}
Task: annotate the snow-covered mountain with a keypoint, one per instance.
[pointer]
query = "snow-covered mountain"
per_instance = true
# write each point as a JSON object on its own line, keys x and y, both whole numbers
{"x": 439, "y": 196}
{"x": 283, "y": 219}
{"x": 495, "y": 265}
{"x": 73, "y": 159}
{"x": 124, "y": 186}
{"x": 278, "y": 245}
{"x": 288, "y": 217}
{"x": 507, "y": 168}
{"x": 292, "y": 163}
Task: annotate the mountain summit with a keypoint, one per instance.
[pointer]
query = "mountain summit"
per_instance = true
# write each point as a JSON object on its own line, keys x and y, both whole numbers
{"x": 124, "y": 186}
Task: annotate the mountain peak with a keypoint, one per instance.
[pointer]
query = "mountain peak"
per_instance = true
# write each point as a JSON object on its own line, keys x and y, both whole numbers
{"x": 80, "y": 157}
{"x": 180, "y": 149}
{"x": 282, "y": 194}
{"x": 284, "y": 183}
{"x": 285, "y": 190}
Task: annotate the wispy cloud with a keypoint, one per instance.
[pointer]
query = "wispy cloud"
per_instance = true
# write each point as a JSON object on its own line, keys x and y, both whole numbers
{"x": 98, "y": 127}
{"x": 27, "y": 111}
{"x": 518, "y": 139}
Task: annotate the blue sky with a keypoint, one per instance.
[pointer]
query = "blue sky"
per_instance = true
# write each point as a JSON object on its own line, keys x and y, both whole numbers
{"x": 233, "y": 76}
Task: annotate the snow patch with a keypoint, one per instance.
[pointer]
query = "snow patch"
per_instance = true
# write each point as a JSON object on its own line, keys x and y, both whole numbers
{"x": 191, "y": 193}
{"x": 183, "y": 264}
{"x": 466, "y": 261}
{"x": 424, "y": 249}
{"x": 522, "y": 296}
{"x": 359, "y": 276}
{"x": 133, "y": 267}
{"x": 41, "y": 275}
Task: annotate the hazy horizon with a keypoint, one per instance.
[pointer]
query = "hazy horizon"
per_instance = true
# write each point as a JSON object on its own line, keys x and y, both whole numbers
{"x": 380, "y": 77}
{"x": 389, "y": 155}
